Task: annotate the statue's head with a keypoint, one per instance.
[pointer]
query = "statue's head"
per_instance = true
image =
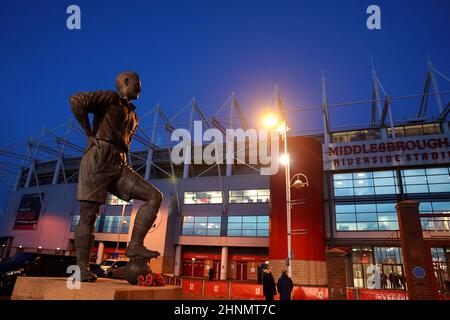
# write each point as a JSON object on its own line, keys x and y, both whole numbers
{"x": 129, "y": 85}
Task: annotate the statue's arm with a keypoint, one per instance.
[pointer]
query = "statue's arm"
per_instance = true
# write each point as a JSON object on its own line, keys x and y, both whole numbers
{"x": 90, "y": 102}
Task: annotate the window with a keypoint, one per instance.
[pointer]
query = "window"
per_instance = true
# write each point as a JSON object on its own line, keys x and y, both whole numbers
{"x": 435, "y": 223}
{"x": 431, "y": 180}
{"x": 386, "y": 261}
{"x": 203, "y": 197}
{"x": 366, "y": 216}
{"x": 365, "y": 183}
{"x": 106, "y": 224}
{"x": 112, "y": 200}
{"x": 415, "y": 130}
{"x": 356, "y": 135}
{"x": 201, "y": 226}
{"x": 248, "y": 226}
{"x": 249, "y": 196}
{"x": 388, "y": 255}
{"x": 115, "y": 224}
{"x": 362, "y": 258}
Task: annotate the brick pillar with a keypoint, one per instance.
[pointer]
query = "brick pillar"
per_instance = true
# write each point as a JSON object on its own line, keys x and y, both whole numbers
{"x": 447, "y": 259}
{"x": 416, "y": 253}
{"x": 337, "y": 274}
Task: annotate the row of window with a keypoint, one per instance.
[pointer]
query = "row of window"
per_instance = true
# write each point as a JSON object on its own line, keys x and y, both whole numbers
{"x": 400, "y": 131}
{"x": 236, "y": 226}
{"x": 106, "y": 224}
{"x": 366, "y": 217}
{"x": 234, "y": 196}
{"x": 374, "y": 216}
{"x": 415, "y": 130}
{"x": 365, "y": 183}
{"x": 356, "y": 135}
{"x": 432, "y": 180}
{"x": 377, "y": 255}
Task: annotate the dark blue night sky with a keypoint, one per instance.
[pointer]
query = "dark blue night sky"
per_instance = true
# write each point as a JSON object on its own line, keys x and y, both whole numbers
{"x": 209, "y": 48}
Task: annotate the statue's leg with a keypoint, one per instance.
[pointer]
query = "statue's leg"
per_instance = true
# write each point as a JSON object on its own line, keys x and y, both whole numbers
{"x": 145, "y": 217}
{"x": 84, "y": 238}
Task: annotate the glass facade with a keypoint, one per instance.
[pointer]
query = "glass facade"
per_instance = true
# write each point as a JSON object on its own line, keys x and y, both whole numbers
{"x": 365, "y": 201}
{"x": 435, "y": 208}
{"x": 232, "y": 226}
{"x": 248, "y": 226}
{"x": 203, "y": 197}
{"x": 366, "y": 216}
{"x": 431, "y": 180}
{"x": 249, "y": 196}
{"x": 201, "y": 226}
{"x": 365, "y": 183}
{"x": 106, "y": 224}
{"x": 378, "y": 268}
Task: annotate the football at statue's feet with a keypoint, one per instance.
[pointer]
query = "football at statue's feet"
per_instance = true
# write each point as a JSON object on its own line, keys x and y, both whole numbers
{"x": 136, "y": 267}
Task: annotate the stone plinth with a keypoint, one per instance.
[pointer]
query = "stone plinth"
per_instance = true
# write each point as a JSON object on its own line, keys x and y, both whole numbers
{"x": 36, "y": 288}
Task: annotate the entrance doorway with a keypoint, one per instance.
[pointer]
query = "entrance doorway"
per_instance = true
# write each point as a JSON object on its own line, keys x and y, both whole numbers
{"x": 216, "y": 266}
{"x": 199, "y": 268}
{"x": 393, "y": 273}
{"x": 186, "y": 269}
{"x": 241, "y": 270}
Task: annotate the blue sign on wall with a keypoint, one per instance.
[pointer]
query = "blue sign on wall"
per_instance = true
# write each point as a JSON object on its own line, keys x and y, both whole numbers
{"x": 418, "y": 272}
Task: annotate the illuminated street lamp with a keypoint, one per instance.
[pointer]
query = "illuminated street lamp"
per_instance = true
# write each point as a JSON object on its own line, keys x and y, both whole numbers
{"x": 298, "y": 181}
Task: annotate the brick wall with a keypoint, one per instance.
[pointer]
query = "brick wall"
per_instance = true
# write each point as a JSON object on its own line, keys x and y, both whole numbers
{"x": 416, "y": 253}
{"x": 304, "y": 272}
{"x": 337, "y": 274}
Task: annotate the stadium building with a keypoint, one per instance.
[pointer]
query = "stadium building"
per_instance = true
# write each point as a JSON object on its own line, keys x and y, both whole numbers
{"x": 232, "y": 218}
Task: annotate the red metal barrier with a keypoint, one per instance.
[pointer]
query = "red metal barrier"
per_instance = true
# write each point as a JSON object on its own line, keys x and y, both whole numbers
{"x": 216, "y": 289}
{"x": 310, "y": 293}
{"x": 192, "y": 287}
{"x": 246, "y": 291}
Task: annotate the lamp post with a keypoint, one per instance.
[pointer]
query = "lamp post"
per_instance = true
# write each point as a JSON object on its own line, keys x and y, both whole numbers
{"x": 122, "y": 222}
{"x": 300, "y": 181}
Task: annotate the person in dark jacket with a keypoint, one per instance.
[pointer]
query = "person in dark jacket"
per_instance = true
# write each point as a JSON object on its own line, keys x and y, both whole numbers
{"x": 260, "y": 275}
{"x": 269, "y": 287}
{"x": 211, "y": 273}
{"x": 285, "y": 286}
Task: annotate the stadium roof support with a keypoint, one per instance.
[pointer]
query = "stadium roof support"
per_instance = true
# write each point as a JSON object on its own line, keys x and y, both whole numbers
{"x": 430, "y": 81}
{"x": 376, "y": 105}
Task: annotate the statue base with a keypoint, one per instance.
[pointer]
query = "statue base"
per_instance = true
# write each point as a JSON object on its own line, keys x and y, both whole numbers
{"x": 37, "y": 288}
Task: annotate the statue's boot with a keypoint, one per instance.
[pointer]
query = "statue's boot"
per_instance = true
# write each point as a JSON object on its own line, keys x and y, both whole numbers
{"x": 145, "y": 218}
{"x": 84, "y": 239}
{"x": 83, "y": 263}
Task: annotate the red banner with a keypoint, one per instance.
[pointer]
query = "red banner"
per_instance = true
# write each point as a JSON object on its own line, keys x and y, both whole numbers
{"x": 27, "y": 215}
{"x": 216, "y": 289}
{"x": 310, "y": 293}
{"x": 368, "y": 294}
{"x": 192, "y": 286}
{"x": 247, "y": 258}
{"x": 246, "y": 291}
{"x": 189, "y": 255}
